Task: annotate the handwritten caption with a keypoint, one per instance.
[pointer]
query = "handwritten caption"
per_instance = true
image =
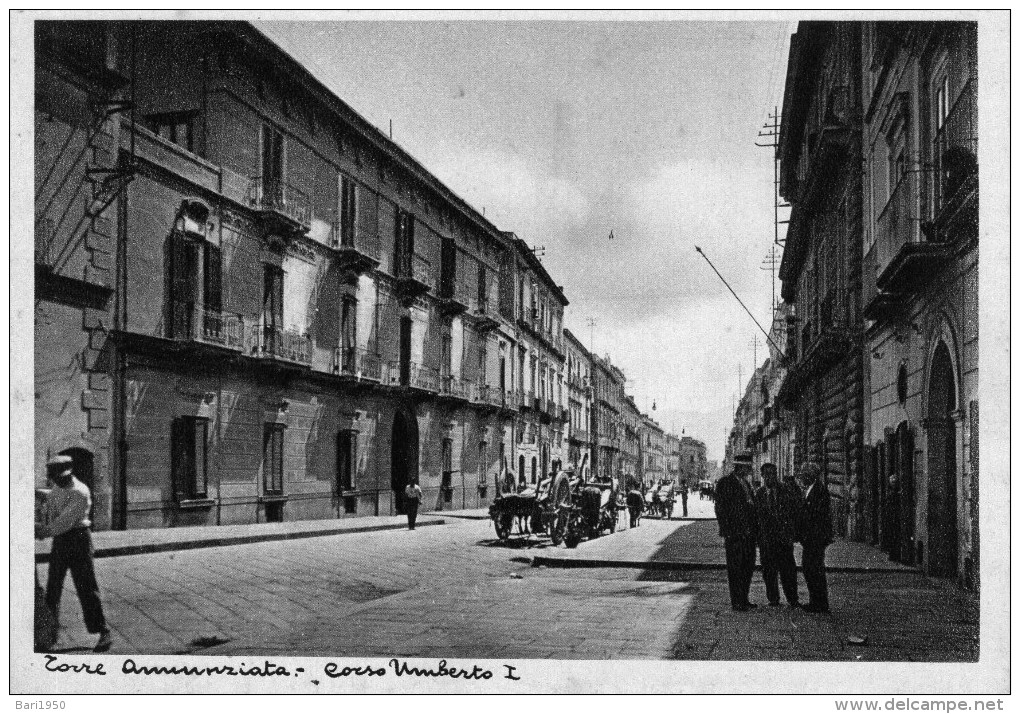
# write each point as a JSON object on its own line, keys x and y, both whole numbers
{"x": 267, "y": 668}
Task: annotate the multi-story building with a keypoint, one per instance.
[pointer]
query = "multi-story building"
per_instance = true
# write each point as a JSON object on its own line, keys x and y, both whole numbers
{"x": 607, "y": 423}
{"x": 919, "y": 497}
{"x": 652, "y": 441}
{"x": 820, "y": 176}
{"x": 579, "y": 401}
{"x": 673, "y": 468}
{"x": 267, "y": 310}
{"x": 691, "y": 460}
{"x": 81, "y": 96}
{"x": 540, "y": 365}
{"x": 632, "y": 464}
{"x": 777, "y": 443}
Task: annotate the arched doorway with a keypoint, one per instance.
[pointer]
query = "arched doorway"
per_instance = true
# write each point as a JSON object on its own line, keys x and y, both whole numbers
{"x": 942, "y": 530}
{"x": 522, "y": 476}
{"x": 83, "y": 466}
{"x": 403, "y": 455}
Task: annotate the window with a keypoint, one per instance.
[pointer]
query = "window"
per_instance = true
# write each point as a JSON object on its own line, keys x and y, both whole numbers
{"x": 272, "y": 305}
{"x": 483, "y": 293}
{"x": 348, "y": 209}
{"x": 348, "y": 333}
{"x": 176, "y": 127}
{"x": 483, "y": 358}
{"x": 272, "y": 459}
{"x": 273, "y": 162}
{"x": 189, "y": 460}
{"x": 448, "y": 470}
{"x": 346, "y": 459}
{"x": 403, "y": 243}
{"x": 483, "y": 462}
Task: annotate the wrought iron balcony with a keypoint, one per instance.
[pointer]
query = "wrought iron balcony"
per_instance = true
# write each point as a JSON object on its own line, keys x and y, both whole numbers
{"x": 357, "y": 363}
{"x": 579, "y": 436}
{"x": 284, "y": 209}
{"x": 955, "y": 152}
{"x": 454, "y": 297}
{"x": 278, "y": 345}
{"x": 482, "y": 317}
{"x": 193, "y": 322}
{"x": 417, "y": 376}
{"x": 414, "y": 276}
{"x": 356, "y": 249}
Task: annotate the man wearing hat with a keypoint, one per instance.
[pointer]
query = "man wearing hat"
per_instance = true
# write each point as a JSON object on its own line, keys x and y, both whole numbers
{"x": 738, "y": 525}
{"x": 778, "y": 513}
{"x": 68, "y": 506}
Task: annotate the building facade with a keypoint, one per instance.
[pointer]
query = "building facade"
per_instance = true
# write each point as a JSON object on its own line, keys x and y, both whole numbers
{"x": 266, "y": 309}
{"x": 820, "y": 159}
{"x": 919, "y": 500}
{"x": 579, "y": 402}
{"x": 607, "y": 424}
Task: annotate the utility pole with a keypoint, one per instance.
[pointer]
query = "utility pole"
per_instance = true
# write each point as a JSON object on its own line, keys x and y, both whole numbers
{"x": 771, "y": 262}
{"x": 740, "y": 380}
{"x": 770, "y": 132}
{"x": 754, "y": 346}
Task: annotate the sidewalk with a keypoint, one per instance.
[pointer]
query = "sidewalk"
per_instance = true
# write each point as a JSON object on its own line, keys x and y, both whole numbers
{"x": 471, "y": 514}
{"x": 695, "y": 545}
{"x": 157, "y": 540}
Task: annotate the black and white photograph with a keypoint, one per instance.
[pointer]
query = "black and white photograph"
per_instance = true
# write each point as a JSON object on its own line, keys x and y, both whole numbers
{"x": 510, "y": 352}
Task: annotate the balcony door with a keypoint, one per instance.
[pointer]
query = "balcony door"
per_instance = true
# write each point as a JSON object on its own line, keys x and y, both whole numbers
{"x": 272, "y": 163}
{"x": 405, "y": 350}
{"x": 942, "y": 489}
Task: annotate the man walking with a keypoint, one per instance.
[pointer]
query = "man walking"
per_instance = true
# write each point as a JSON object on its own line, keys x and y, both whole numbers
{"x": 68, "y": 506}
{"x": 738, "y": 525}
{"x": 683, "y": 496}
{"x": 778, "y": 504}
{"x": 816, "y": 534}
{"x": 412, "y": 495}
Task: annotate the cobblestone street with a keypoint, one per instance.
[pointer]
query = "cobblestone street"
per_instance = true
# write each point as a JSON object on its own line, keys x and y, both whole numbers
{"x": 453, "y": 591}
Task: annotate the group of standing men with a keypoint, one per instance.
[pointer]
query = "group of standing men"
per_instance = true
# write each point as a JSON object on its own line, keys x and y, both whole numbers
{"x": 772, "y": 518}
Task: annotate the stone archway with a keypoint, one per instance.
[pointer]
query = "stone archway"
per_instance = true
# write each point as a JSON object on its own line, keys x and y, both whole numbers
{"x": 942, "y": 547}
{"x": 403, "y": 455}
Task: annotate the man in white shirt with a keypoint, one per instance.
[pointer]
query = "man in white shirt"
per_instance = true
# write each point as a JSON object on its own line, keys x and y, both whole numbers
{"x": 68, "y": 507}
{"x": 412, "y": 496}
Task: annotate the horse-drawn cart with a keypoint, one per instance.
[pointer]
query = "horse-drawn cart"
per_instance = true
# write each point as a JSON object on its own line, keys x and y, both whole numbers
{"x": 567, "y": 509}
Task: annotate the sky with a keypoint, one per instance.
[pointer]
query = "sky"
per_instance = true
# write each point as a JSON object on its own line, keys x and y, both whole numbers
{"x": 566, "y": 131}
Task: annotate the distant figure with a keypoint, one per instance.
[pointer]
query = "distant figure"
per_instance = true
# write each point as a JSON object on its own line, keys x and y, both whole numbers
{"x": 778, "y": 506}
{"x": 67, "y": 522}
{"x": 683, "y": 496}
{"x": 816, "y": 534}
{"x": 738, "y": 525}
{"x": 635, "y": 505}
{"x": 412, "y": 496}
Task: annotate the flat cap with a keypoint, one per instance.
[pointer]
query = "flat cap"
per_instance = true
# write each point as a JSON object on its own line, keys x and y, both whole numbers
{"x": 743, "y": 458}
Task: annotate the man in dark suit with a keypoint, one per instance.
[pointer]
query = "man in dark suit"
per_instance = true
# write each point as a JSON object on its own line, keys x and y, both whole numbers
{"x": 778, "y": 504}
{"x": 816, "y": 534}
{"x": 738, "y": 525}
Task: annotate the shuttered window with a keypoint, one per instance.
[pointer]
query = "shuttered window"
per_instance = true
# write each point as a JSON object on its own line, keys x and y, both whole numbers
{"x": 272, "y": 459}
{"x": 189, "y": 460}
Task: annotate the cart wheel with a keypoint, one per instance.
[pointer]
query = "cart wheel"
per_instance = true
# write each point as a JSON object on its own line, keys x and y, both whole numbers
{"x": 504, "y": 523}
{"x": 575, "y": 532}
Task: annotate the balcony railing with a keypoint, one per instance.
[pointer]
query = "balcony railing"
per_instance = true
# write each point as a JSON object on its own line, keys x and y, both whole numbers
{"x": 192, "y": 321}
{"x": 274, "y": 343}
{"x": 352, "y": 239}
{"x": 897, "y": 224}
{"x": 955, "y": 148}
{"x": 358, "y": 363}
{"x": 579, "y": 435}
{"x": 455, "y": 387}
{"x": 489, "y": 394}
{"x": 271, "y": 195}
{"x": 415, "y": 375}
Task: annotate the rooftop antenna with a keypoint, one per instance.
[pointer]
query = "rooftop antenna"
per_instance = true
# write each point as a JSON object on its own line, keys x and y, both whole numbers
{"x": 538, "y": 250}
{"x": 754, "y": 346}
{"x": 592, "y": 321}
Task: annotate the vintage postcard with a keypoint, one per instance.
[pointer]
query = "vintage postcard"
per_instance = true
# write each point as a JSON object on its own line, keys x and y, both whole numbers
{"x": 510, "y": 352}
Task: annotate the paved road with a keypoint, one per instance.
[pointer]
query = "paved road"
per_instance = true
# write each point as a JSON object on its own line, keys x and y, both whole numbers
{"x": 452, "y": 591}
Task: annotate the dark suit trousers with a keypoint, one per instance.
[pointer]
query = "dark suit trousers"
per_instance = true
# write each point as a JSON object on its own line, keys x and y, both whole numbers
{"x": 778, "y": 565}
{"x": 740, "y": 557}
{"x": 73, "y": 551}
{"x": 411, "y": 505}
{"x": 813, "y": 564}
